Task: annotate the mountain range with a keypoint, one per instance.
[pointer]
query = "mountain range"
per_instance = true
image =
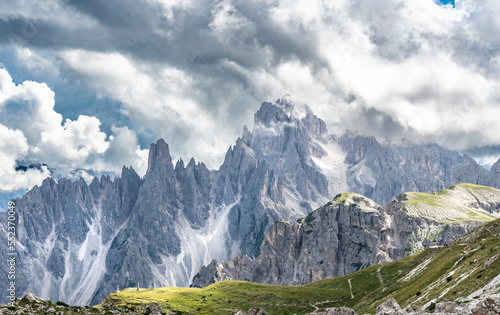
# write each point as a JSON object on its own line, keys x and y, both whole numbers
{"x": 78, "y": 241}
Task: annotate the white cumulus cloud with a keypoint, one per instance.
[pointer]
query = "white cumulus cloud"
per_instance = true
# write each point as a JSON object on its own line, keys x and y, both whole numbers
{"x": 32, "y": 132}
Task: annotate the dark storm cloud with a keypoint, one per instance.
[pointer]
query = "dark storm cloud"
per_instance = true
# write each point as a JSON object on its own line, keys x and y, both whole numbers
{"x": 193, "y": 72}
{"x": 381, "y": 123}
{"x": 185, "y": 39}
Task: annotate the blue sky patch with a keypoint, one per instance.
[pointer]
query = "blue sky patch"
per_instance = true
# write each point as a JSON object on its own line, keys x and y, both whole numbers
{"x": 452, "y": 2}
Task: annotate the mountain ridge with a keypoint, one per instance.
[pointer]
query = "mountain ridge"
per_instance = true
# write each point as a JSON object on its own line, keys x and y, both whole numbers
{"x": 161, "y": 229}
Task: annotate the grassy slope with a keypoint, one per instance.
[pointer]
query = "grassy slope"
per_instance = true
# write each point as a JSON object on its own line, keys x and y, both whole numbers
{"x": 340, "y": 198}
{"x": 413, "y": 281}
{"x": 452, "y": 204}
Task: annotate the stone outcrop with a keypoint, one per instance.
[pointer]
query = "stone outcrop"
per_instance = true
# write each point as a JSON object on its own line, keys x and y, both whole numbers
{"x": 214, "y": 270}
{"x": 447, "y": 307}
{"x": 389, "y": 307}
{"x": 31, "y": 304}
{"x": 256, "y": 311}
{"x": 335, "y": 240}
{"x": 155, "y": 308}
{"x": 489, "y": 305}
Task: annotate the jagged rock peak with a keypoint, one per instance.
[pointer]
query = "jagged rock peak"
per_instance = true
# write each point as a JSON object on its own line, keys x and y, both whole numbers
{"x": 192, "y": 163}
{"x": 159, "y": 157}
{"x": 95, "y": 181}
{"x": 283, "y": 110}
{"x": 128, "y": 172}
{"x": 247, "y": 136}
{"x": 286, "y": 102}
{"x": 127, "y": 169}
{"x": 49, "y": 182}
{"x": 285, "y": 99}
{"x": 358, "y": 147}
{"x": 287, "y": 112}
{"x": 179, "y": 165}
{"x": 81, "y": 182}
{"x": 269, "y": 114}
{"x": 294, "y": 109}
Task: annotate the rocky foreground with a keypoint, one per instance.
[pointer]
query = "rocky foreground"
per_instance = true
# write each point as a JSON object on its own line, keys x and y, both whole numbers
{"x": 490, "y": 305}
{"x": 31, "y": 304}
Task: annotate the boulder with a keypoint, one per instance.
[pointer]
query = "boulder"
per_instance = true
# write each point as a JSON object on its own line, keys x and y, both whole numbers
{"x": 144, "y": 308}
{"x": 488, "y": 306}
{"x": 30, "y": 298}
{"x": 256, "y": 311}
{"x": 109, "y": 304}
{"x": 155, "y": 308}
{"x": 447, "y": 307}
{"x": 390, "y": 307}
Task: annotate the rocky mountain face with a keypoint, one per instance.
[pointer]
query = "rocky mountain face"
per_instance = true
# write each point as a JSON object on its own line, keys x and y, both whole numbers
{"x": 77, "y": 241}
{"x": 494, "y": 175}
{"x": 381, "y": 172}
{"x": 65, "y": 230}
{"x": 7, "y": 195}
{"x": 353, "y": 232}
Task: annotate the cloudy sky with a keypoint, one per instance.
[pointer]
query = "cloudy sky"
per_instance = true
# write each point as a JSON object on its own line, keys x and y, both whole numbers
{"x": 87, "y": 85}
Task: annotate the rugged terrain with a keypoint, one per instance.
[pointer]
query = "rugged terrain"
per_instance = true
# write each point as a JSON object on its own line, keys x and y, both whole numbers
{"x": 77, "y": 241}
{"x": 466, "y": 272}
{"x": 353, "y": 232}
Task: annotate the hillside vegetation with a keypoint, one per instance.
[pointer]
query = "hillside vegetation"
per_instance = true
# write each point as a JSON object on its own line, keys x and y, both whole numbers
{"x": 457, "y": 203}
{"x": 464, "y": 270}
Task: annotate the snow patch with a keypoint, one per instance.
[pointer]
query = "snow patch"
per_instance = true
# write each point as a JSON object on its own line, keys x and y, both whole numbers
{"x": 43, "y": 276}
{"x": 200, "y": 247}
{"x": 333, "y": 167}
{"x": 92, "y": 255}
